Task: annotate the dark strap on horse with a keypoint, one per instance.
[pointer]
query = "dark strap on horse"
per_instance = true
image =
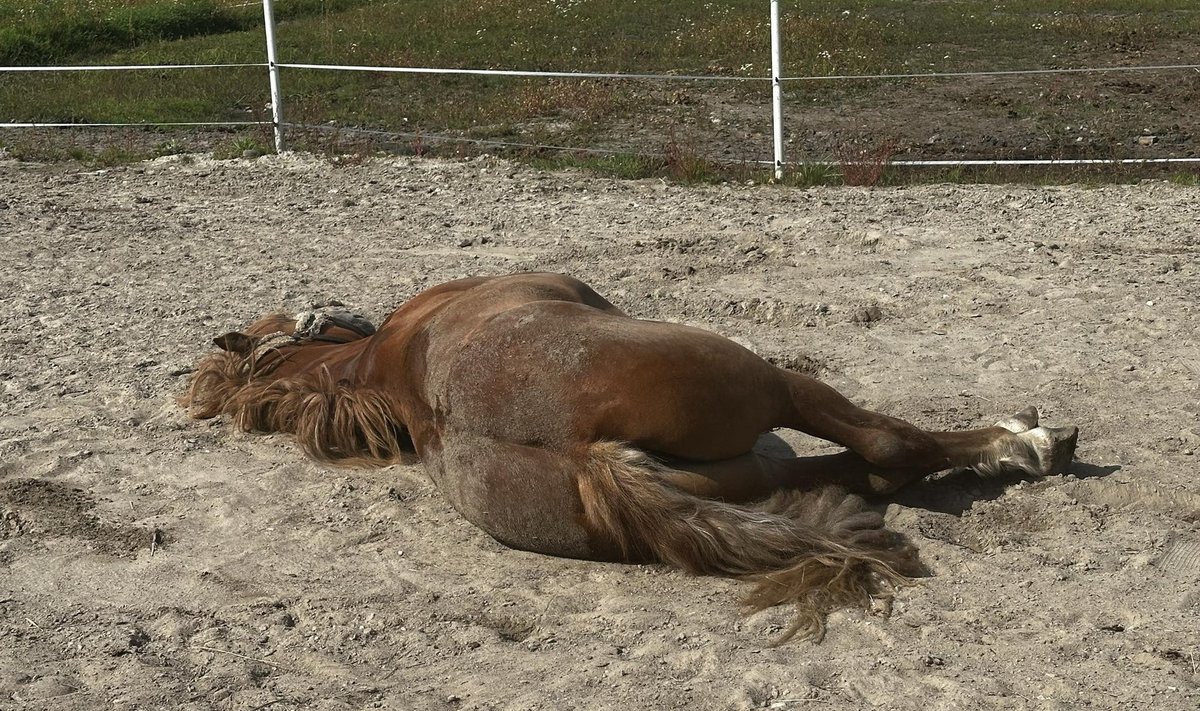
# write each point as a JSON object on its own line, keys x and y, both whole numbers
{"x": 309, "y": 325}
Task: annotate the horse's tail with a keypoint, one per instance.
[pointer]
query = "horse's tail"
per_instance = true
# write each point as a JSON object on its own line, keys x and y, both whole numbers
{"x": 821, "y": 551}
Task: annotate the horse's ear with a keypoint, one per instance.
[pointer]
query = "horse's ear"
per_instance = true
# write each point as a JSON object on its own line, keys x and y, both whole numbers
{"x": 235, "y": 342}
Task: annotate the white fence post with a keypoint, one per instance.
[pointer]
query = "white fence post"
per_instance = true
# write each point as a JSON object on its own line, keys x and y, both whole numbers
{"x": 777, "y": 88}
{"x": 273, "y": 69}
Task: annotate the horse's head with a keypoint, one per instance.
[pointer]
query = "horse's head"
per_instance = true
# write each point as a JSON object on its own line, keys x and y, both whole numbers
{"x": 326, "y": 324}
{"x": 243, "y": 342}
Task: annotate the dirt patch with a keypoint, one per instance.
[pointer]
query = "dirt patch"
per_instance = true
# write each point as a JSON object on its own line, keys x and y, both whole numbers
{"x": 43, "y": 509}
{"x": 289, "y": 584}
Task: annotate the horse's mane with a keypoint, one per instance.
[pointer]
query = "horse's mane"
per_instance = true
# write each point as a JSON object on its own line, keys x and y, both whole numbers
{"x": 331, "y": 421}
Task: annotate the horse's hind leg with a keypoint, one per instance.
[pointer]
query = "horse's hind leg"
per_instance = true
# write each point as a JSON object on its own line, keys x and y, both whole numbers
{"x": 894, "y": 452}
{"x": 755, "y": 476}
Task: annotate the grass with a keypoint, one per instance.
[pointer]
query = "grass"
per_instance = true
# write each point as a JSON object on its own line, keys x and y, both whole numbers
{"x": 1190, "y": 180}
{"x": 677, "y": 121}
{"x": 47, "y": 31}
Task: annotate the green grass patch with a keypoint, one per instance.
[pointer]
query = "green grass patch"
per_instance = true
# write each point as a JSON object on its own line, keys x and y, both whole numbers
{"x": 730, "y": 38}
{"x": 1189, "y": 179}
{"x": 36, "y": 32}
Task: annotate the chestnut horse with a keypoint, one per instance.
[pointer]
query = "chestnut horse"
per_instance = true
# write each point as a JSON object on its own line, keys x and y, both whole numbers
{"x": 560, "y": 425}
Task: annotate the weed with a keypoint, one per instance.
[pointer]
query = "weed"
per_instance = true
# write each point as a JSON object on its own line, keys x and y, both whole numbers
{"x": 104, "y": 158}
{"x": 811, "y": 174}
{"x": 241, "y": 147}
{"x": 684, "y": 164}
{"x": 111, "y": 156}
{"x": 170, "y": 148}
{"x": 629, "y": 166}
{"x": 865, "y": 166}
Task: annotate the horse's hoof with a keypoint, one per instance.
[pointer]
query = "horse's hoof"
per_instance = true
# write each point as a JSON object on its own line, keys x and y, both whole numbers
{"x": 1053, "y": 447}
{"x": 1023, "y": 421}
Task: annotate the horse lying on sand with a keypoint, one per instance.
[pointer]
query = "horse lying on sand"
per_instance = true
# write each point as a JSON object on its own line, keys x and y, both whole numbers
{"x": 560, "y": 425}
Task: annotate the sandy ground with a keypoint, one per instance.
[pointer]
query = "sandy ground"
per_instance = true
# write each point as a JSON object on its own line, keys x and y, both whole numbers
{"x": 148, "y": 561}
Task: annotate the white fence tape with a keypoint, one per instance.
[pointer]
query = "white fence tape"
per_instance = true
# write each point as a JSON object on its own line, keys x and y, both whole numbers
{"x": 995, "y": 73}
{"x": 128, "y": 67}
{"x": 145, "y": 124}
{"x": 775, "y": 79}
{"x": 520, "y": 73}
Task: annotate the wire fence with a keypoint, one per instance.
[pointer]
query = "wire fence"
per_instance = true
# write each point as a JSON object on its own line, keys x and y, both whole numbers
{"x": 777, "y": 79}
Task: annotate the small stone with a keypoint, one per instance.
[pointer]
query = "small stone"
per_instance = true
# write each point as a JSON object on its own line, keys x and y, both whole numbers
{"x": 51, "y": 687}
{"x": 869, "y": 314}
{"x": 127, "y": 640}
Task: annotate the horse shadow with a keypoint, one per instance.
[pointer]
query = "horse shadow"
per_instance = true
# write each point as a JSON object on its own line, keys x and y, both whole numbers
{"x": 953, "y": 492}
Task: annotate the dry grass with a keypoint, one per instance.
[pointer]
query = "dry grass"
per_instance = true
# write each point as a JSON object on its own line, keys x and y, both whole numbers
{"x": 865, "y": 166}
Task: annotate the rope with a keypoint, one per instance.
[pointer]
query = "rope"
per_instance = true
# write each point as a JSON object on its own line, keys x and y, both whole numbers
{"x": 643, "y": 154}
{"x": 128, "y": 67}
{"x": 128, "y": 125}
{"x": 521, "y": 73}
{"x": 996, "y": 73}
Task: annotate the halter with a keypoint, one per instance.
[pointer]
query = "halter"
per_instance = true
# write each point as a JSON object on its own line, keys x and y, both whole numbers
{"x": 309, "y": 325}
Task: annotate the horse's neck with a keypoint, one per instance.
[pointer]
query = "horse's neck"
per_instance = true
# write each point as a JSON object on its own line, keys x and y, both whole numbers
{"x": 338, "y": 360}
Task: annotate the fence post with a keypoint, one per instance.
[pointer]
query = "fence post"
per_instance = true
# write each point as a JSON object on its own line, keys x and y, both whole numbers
{"x": 777, "y": 89}
{"x": 273, "y": 70}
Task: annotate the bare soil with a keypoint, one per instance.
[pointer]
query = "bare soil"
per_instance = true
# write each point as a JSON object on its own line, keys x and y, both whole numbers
{"x": 151, "y": 562}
